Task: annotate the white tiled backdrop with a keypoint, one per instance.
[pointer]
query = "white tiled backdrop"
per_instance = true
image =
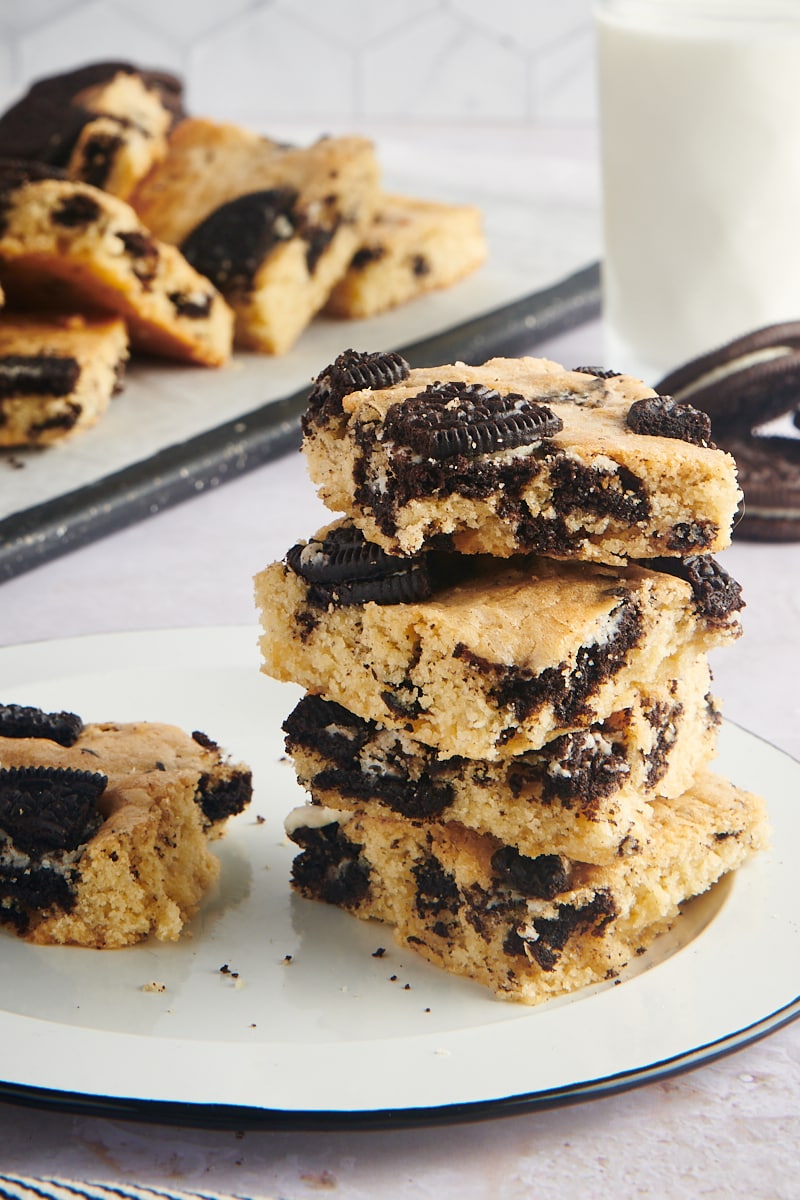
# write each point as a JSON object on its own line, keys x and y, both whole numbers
{"x": 358, "y": 61}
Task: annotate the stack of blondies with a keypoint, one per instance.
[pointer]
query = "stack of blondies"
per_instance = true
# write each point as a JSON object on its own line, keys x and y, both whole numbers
{"x": 508, "y": 720}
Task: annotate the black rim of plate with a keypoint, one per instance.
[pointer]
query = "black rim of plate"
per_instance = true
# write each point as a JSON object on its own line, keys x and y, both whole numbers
{"x": 222, "y": 1117}
{"x": 46, "y": 531}
{"x": 232, "y": 1117}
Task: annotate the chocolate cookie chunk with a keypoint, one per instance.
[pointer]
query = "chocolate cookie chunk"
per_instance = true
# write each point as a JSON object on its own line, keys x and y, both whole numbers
{"x": 48, "y": 808}
{"x": 545, "y": 876}
{"x": 23, "y": 721}
{"x": 744, "y": 383}
{"x": 46, "y": 122}
{"x": 662, "y": 416}
{"x": 232, "y": 242}
{"x": 717, "y": 595}
{"x": 597, "y": 372}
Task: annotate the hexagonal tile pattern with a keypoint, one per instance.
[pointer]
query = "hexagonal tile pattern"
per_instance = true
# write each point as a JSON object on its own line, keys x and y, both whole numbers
{"x": 440, "y": 68}
{"x": 530, "y": 26}
{"x": 92, "y": 31}
{"x": 327, "y": 60}
{"x": 357, "y": 23}
{"x": 268, "y": 63}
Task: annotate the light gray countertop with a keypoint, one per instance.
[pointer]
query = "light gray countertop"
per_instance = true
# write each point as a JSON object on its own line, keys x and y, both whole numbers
{"x": 729, "y": 1128}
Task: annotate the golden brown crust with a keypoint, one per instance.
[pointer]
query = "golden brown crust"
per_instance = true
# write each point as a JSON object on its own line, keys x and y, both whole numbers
{"x": 325, "y": 195}
{"x": 68, "y": 246}
{"x": 410, "y": 247}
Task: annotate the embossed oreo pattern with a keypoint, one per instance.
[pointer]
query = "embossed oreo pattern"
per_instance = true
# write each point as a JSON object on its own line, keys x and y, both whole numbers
{"x": 345, "y": 569}
{"x": 449, "y": 420}
{"x": 49, "y": 808}
{"x": 352, "y": 371}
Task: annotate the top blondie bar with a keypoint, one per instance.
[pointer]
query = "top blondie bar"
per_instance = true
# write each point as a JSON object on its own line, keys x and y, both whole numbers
{"x": 516, "y": 455}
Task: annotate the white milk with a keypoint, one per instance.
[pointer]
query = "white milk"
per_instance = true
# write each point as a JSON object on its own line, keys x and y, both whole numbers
{"x": 700, "y": 116}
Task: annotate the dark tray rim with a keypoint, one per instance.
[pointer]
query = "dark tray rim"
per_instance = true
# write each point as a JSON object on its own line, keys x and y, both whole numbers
{"x": 46, "y": 531}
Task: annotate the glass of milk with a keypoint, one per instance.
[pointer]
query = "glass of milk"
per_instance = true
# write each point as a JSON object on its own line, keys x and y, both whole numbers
{"x": 700, "y": 138}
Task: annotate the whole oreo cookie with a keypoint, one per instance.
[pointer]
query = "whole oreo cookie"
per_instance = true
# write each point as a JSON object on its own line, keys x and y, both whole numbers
{"x": 744, "y": 383}
{"x": 352, "y": 371}
{"x": 343, "y": 569}
{"x": 769, "y": 476}
{"x": 49, "y": 808}
{"x": 467, "y": 419}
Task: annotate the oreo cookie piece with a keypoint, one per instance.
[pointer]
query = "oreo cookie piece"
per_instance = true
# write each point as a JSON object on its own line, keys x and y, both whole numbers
{"x": 663, "y": 416}
{"x": 38, "y": 375}
{"x": 24, "y": 721}
{"x": 454, "y": 419}
{"x": 597, "y": 372}
{"x": 57, "y": 375}
{"x": 49, "y": 808}
{"x": 352, "y": 371}
{"x": 343, "y": 568}
{"x": 230, "y": 245}
{"x": 717, "y": 594}
{"x": 545, "y": 876}
{"x": 745, "y": 383}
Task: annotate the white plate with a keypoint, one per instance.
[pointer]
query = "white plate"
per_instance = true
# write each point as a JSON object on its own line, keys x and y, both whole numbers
{"x": 334, "y": 1034}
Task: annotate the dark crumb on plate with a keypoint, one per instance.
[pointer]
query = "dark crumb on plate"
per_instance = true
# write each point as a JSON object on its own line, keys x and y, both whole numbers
{"x": 379, "y": 953}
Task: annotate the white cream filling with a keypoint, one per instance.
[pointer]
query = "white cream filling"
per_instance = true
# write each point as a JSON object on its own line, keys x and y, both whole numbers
{"x": 314, "y": 816}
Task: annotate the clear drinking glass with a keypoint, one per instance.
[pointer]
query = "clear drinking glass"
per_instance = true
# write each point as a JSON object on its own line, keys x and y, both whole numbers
{"x": 700, "y": 138}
